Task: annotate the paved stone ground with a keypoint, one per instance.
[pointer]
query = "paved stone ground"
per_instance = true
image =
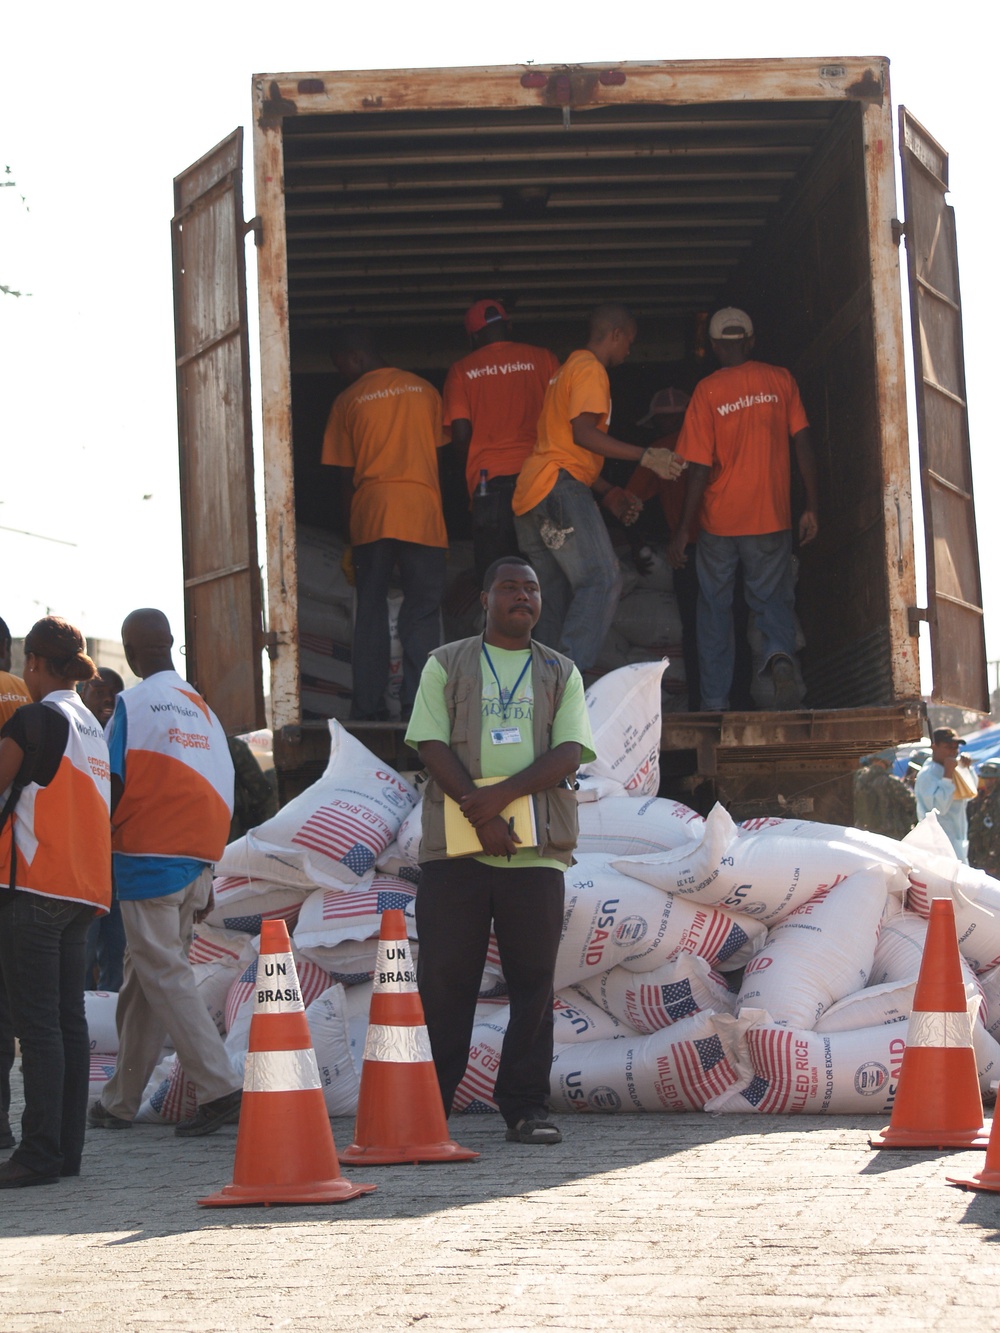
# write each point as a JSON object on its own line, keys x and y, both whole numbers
{"x": 634, "y": 1222}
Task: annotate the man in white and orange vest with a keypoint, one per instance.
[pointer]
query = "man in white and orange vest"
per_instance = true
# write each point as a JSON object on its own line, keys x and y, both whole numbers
{"x": 171, "y": 802}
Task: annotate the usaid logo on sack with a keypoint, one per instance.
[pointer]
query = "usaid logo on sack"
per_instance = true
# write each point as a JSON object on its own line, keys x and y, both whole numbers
{"x": 604, "y": 1099}
{"x": 737, "y": 900}
{"x": 397, "y": 794}
{"x": 397, "y": 799}
{"x": 870, "y": 1078}
{"x": 632, "y": 930}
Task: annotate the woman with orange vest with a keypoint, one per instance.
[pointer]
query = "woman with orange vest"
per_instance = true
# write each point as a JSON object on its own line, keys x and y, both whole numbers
{"x": 55, "y": 864}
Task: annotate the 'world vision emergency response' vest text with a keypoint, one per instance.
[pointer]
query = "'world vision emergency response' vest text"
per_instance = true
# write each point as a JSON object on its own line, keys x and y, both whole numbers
{"x": 177, "y": 798}
{"x": 63, "y": 830}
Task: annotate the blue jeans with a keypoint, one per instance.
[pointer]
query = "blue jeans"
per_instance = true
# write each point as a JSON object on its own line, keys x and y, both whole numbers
{"x": 581, "y": 579}
{"x": 106, "y": 950}
{"x": 769, "y": 594}
{"x": 422, "y": 578}
{"x": 42, "y": 943}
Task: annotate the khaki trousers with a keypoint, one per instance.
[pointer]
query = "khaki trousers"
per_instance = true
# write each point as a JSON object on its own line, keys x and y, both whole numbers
{"x": 158, "y": 999}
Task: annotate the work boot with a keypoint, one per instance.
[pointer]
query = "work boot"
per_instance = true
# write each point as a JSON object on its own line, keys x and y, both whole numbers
{"x": 99, "y": 1117}
{"x": 786, "y": 690}
{"x": 212, "y": 1116}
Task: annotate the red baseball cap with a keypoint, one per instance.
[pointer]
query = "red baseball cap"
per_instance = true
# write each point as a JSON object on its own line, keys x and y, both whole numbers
{"x": 666, "y": 401}
{"x": 482, "y": 313}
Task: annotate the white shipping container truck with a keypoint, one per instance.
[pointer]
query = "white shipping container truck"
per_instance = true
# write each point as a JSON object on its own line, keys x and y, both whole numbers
{"x": 397, "y": 197}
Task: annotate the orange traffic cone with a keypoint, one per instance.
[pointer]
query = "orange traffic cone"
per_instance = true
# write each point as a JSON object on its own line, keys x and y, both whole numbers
{"x": 989, "y": 1177}
{"x": 400, "y": 1111}
{"x": 938, "y": 1103}
{"x": 284, "y": 1146}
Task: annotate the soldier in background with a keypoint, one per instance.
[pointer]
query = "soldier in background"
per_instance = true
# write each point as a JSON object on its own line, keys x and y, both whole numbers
{"x": 984, "y": 821}
{"x": 882, "y": 803}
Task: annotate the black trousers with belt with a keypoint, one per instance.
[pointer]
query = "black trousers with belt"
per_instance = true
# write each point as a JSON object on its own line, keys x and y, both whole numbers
{"x": 457, "y": 902}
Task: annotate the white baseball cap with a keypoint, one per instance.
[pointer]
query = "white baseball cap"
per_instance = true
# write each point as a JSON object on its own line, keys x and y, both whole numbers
{"x": 730, "y": 323}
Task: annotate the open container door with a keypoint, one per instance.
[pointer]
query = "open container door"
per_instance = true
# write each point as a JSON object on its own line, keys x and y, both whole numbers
{"x": 954, "y": 589}
{"x": 222, "y": 586}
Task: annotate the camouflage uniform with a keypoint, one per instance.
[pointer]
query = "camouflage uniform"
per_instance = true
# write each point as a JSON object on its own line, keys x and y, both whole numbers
{"x": 882, "y": 803}
{"x": 254, "y": 798}
{"x": 984, "y": 832}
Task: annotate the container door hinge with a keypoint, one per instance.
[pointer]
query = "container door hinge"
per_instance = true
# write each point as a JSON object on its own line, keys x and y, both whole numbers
{"x": 269, "y": 642}
{"x": 256, "y": 225}
{"x": 915, "y": 614}
{"x": 898, "y": 230}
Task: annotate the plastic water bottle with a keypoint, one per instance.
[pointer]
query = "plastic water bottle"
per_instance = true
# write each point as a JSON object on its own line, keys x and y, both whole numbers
{"x": 482, "y": 482}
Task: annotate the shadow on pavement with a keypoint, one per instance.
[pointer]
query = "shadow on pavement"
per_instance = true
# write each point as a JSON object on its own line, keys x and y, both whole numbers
{"x": 983, "y": 1209}
{"x": 144, "y": 1184}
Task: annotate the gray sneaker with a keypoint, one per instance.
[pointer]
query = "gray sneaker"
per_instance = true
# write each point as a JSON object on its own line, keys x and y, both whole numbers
{"x": 212, "y": 1116}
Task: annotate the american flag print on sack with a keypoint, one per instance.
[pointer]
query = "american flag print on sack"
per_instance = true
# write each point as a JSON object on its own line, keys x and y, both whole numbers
{"x": 341, "y": 906}
{"x": 702, "y": 1070}
{"x": 662, "y": 1005}
{"x": 341, "y": 836}
{"x": 772, "y": 1049}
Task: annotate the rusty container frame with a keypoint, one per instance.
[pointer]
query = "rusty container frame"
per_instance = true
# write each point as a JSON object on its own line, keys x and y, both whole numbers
{"x": 721, "y": 742}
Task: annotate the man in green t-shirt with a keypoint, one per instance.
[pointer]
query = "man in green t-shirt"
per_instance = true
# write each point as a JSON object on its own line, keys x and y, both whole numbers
{"x": 498, "y": 706}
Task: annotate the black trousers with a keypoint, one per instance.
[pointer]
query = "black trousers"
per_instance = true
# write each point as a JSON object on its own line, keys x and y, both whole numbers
{"x": 493, "y": 531}
{"x": 457, "y": 901}
{"x": 43, "y": 941}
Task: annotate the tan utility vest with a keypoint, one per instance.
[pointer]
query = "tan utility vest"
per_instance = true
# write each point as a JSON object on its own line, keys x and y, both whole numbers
{"x": 555, "y": 808}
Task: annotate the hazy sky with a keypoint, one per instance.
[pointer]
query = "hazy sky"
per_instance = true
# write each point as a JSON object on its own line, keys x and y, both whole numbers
{"x": 104, "y": 104}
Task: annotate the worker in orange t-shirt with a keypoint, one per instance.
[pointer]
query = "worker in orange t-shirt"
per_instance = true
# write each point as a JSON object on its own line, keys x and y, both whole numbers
{"x": 735, "y": 439}
{"x": 492, "y": 399}
{"x": 559, "y": 526}
{"x": 384, "y": 432}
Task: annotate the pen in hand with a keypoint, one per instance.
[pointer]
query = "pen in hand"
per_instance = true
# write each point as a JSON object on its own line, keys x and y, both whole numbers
{"x": 510, "y": 831}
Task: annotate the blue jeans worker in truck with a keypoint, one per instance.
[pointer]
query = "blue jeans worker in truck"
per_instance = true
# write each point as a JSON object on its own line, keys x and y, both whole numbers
{"x": 384, "y": 433}
{"x": 502, "y": 706}
{"x": 735, "y": 440}
{"x": 937, "y": 789}
{"x": 559, "y": 525}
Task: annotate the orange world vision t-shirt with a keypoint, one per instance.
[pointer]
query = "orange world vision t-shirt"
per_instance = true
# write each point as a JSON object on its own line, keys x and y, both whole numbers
{"x": 500, "y": 389}
{"x": 738, "y": 424}
{"x": 581, "y": 385}
{"x": 387, "y": 428}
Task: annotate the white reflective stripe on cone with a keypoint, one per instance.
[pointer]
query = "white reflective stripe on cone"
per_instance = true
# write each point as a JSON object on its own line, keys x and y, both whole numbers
{"x": 395, "y": 972}
{"x": 281, "y": 1071}
{"x": 397, "y": 1045}
{"x": 942, "y": 1030}
{"x": 276, "y": 989}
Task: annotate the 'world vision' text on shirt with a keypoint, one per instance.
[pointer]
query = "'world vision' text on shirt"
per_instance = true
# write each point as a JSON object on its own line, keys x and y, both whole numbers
{"x": 748, "y": 400}
{"x": 394, "y": 392}
{"x": 500, "y": 368}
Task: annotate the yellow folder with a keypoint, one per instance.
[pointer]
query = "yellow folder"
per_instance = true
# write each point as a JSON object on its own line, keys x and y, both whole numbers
{"x": 461, "y": 838}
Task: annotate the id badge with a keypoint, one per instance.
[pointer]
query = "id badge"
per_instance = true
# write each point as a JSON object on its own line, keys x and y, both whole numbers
{"x": 506, "y": 735}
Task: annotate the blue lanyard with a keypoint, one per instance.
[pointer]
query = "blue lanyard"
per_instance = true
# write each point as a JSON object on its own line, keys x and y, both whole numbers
{"x": 505, "y": 707}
